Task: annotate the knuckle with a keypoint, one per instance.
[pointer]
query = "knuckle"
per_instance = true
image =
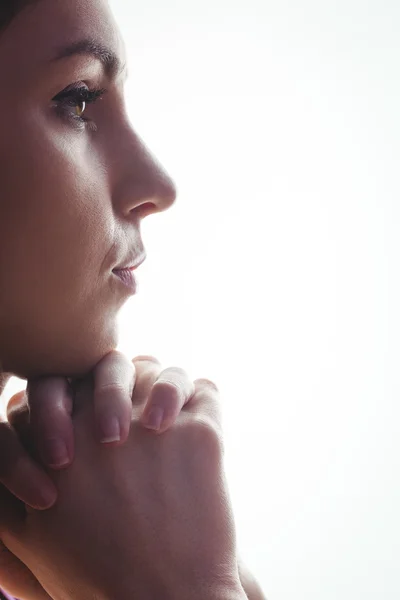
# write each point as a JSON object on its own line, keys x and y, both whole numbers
{"x": 111, "y": 387}
{"x": 17, "y": 400}
{"x": 146, "y": 358}
{"x": 174, "y": 382}
{"x": 116, "y": 361}
{"x": 48, "y": 396}
{"x": 169, "y": 387}
{"x": 207, "y": 384}
{"x": 205, "y": 433}
{"x": 114, "y": 354}
{"x": 111, "y": 393}
{"x": 46, "y": 386}
{"x": 17, "y": 406}
{"x": 171, "y": 371}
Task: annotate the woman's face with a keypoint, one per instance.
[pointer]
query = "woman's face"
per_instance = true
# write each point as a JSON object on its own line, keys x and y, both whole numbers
{"x": 74, "y": 186}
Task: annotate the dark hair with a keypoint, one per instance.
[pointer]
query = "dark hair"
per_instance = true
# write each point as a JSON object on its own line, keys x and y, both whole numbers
{"x": 9, "y": 10}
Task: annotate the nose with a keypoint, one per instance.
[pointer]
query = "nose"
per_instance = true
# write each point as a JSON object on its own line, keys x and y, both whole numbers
{"x": 143, "y": 186}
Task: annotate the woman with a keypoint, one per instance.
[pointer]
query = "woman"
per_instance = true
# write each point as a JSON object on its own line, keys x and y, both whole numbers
{"x": 75, "y": 183}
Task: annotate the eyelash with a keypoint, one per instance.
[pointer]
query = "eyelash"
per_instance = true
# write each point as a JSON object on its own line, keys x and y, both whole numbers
{"x": 72, "y": 97}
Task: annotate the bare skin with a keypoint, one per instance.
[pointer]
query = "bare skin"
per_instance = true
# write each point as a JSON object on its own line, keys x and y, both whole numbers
{"x": 73, "y": 192}
{"x": 151, "y": 380}
{"x": 75, "y": 183}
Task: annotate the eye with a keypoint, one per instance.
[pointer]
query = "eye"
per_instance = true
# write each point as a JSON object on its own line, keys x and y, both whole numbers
{"x": 72, "y": 102}
{"x": 80, "y": 108}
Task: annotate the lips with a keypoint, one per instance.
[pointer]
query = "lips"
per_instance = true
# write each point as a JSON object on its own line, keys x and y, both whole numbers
{"x": 127, "y": 277}
{"x": 125, "y": 273}
{"x": 131, "y": 263}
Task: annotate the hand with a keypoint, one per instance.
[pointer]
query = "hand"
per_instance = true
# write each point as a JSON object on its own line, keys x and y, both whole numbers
{"x": 168, "y": 389}
{"x": 152, "y": 517}
{"x": 47, "y": 405}
{"x": 15, "y": 577}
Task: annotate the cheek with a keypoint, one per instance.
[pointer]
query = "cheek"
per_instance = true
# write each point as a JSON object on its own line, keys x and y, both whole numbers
{"x": 58, "y": 216}
{"x": 56, "y": 230}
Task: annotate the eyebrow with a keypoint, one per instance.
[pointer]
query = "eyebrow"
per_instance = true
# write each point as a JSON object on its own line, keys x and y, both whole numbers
{"x": 111, "y": 63}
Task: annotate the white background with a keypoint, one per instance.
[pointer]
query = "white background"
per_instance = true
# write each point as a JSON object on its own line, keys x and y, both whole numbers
{"x": 276, "y": 272}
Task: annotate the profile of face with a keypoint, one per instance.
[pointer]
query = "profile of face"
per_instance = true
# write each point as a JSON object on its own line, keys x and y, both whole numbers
{"x": 75, "y": 182}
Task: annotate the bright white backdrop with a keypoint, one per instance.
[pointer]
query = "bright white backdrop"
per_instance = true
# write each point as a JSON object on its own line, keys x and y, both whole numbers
{"x": 275, "y": 273}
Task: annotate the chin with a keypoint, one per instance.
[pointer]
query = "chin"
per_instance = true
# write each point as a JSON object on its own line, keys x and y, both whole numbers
{"x": 73, "y": 358}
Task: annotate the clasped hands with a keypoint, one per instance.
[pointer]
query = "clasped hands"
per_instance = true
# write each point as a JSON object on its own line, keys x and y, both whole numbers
{"x": 148, "y": 517}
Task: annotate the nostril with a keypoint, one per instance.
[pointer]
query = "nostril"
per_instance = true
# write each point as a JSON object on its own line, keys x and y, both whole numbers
{"x": 145, "y": 209}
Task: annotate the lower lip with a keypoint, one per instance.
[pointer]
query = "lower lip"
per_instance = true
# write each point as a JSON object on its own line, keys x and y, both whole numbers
{"x": 127, "y": 277}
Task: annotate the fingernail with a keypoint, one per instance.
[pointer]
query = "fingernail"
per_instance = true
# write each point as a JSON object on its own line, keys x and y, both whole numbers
{"x": 154, "y": 419}
{"x": 111, "y": 430}
{"x": 55, "y": 453}
{"x": 47, "y": 499}
{"x": 41, "y": 498}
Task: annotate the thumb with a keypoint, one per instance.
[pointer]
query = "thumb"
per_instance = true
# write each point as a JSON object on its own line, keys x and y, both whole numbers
{"x": 17, "y": 579}
{"x": 50, "y": 404}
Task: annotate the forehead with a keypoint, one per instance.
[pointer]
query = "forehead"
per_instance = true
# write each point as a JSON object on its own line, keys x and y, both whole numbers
{"x": 40, "y": 32}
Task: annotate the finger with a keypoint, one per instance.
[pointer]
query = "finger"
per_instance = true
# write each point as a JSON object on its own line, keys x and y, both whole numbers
{"x": 205, "y": 403}
{"x": 17, "y": 579}
{"x": 19, "y": 399}
{"x": 249, "y": 582}
{"x": 18, "y": 417}
{"x": 148, "y": 368}
{"x": 50, "y": 406}
{"x": 114, "y": 381}
{"x": 170, "y": 392}
{"x": 21, "y": 475}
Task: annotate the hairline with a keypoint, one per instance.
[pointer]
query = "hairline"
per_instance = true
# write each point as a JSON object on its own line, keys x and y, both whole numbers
{"x": 14, "y": 8}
